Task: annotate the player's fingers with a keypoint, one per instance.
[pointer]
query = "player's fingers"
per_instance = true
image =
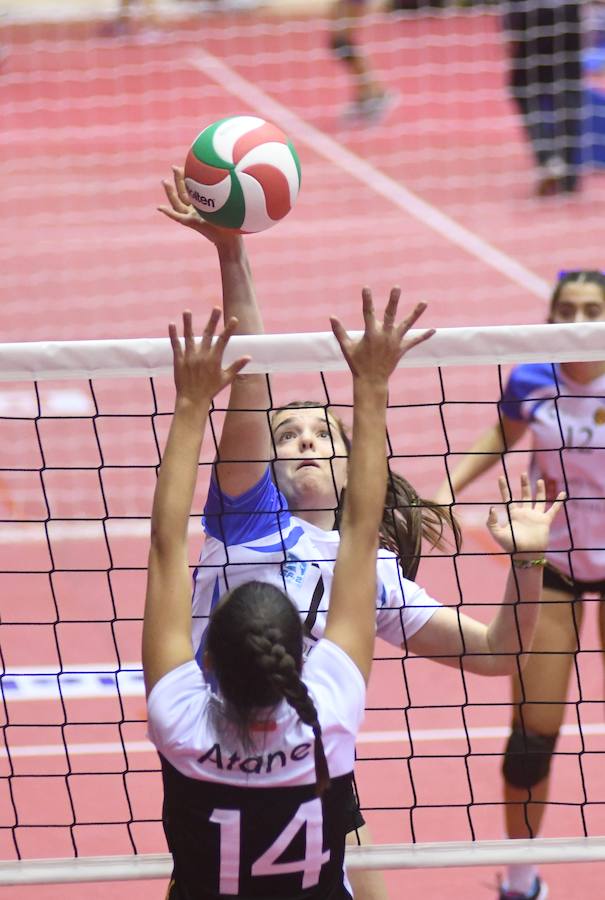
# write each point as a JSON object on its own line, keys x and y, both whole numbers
{"x": 179, "y": 183}
{"x": 343, "y": 339}
{"x": 492, "y": 518}
{"x": 558, "y": 503}
{"x": 391, "y": 308}
{"x": 227, "y": 333}
{"x": 210, "y": 329}
{"x": 412, "y": 318}
{"x": 413, "y": 342}
{"x": 367, "y": 305}
{"x": 526, "y": 487}
{"x": 174, "y": 341}
{"x": 339, "y": 331}
{"x": 540, "y": 492}
{"x": 236, "y": 367}
{"x": 188, "y": 330}
{"x": 173, "y": 197}
{"x": 503, "y": 486}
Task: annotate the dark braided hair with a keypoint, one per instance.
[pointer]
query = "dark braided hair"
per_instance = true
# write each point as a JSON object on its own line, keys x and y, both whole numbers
{"x": 255, "y": 643}
{"x": 407, "y": 518}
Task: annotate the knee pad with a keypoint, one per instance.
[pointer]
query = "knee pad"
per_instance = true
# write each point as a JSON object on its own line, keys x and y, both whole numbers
{"x": 343, "y": 47}
{"x": 527, "y": 758}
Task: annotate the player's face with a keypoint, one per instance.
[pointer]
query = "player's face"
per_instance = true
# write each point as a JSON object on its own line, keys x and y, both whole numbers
{"x": 311, "y": 466}
{"x": 579, "y": 302}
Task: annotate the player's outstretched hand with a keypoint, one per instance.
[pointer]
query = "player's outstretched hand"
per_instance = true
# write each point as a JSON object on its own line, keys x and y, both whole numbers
{"x": 198, "y": 365}
{"x": 376, "y": 354}
{"x": 526, "y": 525}
{"x": 180, "y": 209}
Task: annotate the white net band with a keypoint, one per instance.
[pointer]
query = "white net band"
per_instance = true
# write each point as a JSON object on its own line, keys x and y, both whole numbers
{"x": 385, "y": 856}
{"x": 77, "y": 472}
{"x": 272, "y": 353}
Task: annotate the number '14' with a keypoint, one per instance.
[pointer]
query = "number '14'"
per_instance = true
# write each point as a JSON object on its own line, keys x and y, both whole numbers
{"x": 308, "y": 816}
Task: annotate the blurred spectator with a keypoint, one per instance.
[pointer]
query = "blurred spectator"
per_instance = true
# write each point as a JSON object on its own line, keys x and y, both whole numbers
{"x": 126, "y": 23}
{"x": 546, "y": 83}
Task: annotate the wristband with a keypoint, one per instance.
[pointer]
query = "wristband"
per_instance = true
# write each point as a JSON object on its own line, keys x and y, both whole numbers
{"x": 529, "y": 563}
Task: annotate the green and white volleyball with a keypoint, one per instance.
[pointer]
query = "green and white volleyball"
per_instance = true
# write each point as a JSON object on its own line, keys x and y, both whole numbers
{"x": 242, "y": 173}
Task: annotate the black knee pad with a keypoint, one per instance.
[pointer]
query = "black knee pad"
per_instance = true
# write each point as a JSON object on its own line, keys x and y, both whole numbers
{"x": 343, "y": 47}
{"x": 527, "y": 758}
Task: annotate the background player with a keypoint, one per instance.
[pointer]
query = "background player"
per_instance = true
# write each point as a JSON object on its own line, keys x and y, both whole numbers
{"x": 245, "y": 772}
{"x": 371, "y": 99}
{"x": 562, "y": 406}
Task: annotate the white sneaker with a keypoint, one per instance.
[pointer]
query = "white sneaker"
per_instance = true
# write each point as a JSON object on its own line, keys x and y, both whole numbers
{"x": 371, "y": 109}
{"x": 540, "y": 892}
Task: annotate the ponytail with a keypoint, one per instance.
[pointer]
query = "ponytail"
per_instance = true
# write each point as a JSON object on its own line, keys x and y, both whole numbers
{"x": 408, "y": 519}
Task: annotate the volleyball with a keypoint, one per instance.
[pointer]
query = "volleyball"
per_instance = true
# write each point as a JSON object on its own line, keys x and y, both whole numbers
{"x": 242, "y": 173}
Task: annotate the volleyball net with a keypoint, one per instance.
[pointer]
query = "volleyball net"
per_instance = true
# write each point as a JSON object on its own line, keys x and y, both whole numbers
{"x": 82, "y": 427}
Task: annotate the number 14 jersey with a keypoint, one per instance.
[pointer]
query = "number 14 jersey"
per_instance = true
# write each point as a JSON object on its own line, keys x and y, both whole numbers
{"x": 246, "y": 822}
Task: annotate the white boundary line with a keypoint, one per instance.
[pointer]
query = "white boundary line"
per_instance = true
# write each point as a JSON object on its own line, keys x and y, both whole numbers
{"x": 361, "y": 170}
{"x": 429, "y": 735}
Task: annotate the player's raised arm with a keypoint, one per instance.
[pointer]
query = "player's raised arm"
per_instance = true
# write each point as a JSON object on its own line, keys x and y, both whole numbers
{"x": 240, "y": 463}
{"x": 198, "y": 376}
{"x": 351, "y": 619}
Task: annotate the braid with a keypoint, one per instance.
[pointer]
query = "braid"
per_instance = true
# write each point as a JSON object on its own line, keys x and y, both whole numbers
{"x": 280, "y": 668}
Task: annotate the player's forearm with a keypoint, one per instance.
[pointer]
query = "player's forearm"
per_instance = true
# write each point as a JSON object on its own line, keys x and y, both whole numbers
{"x": 239, "y": 300}
{"x": 178, "y": 474}
{"x": 239, "y": 296}
{"x": 366, "y": 482}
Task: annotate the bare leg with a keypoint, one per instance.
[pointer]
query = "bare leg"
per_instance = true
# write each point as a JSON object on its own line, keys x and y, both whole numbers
{"x": 367, "y": 884}
{"x": 344, "y": 13}
{"x": 539, "y": 697}
{"x": 602, "y": 624}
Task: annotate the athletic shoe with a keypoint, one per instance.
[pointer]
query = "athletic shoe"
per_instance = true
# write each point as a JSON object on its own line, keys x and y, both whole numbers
{"x": 540, "y": 892}
{"x": 371, "y": 109}
{"x": 115, "y": 28}
{"x": 550, "y": 177}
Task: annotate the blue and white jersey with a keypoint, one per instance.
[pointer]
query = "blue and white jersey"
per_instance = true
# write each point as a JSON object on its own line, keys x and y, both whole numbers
{"x": 246, "y": 822}
{"x": 567, "y": 421}
{"x": 254, "y": 537}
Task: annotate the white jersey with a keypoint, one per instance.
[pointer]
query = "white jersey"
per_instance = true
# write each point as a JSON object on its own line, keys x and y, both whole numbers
{"x": 567, "y": 421}
{"x": 254, "y": 537}
{"x": 246, "y": 822}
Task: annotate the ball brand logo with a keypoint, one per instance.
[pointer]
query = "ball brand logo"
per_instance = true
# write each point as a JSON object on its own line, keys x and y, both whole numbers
{"x": 199, "y": 198}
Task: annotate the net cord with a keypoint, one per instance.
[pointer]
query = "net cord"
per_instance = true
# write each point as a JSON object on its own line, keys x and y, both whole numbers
{"x": 295, "y": 353}
{"x": 383, "y": 856}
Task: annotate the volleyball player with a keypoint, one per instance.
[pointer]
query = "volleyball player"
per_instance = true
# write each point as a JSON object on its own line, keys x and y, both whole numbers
{"x": 285, "y": 528}
{"x": 562, "y": 407}
{"x": 257, "y": 776}
{"x": 371, "y": 98}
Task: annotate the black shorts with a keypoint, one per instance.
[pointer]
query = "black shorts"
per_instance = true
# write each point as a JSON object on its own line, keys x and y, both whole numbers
{"x": 559, "y": 581}
{"x": 357, "y": 819}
